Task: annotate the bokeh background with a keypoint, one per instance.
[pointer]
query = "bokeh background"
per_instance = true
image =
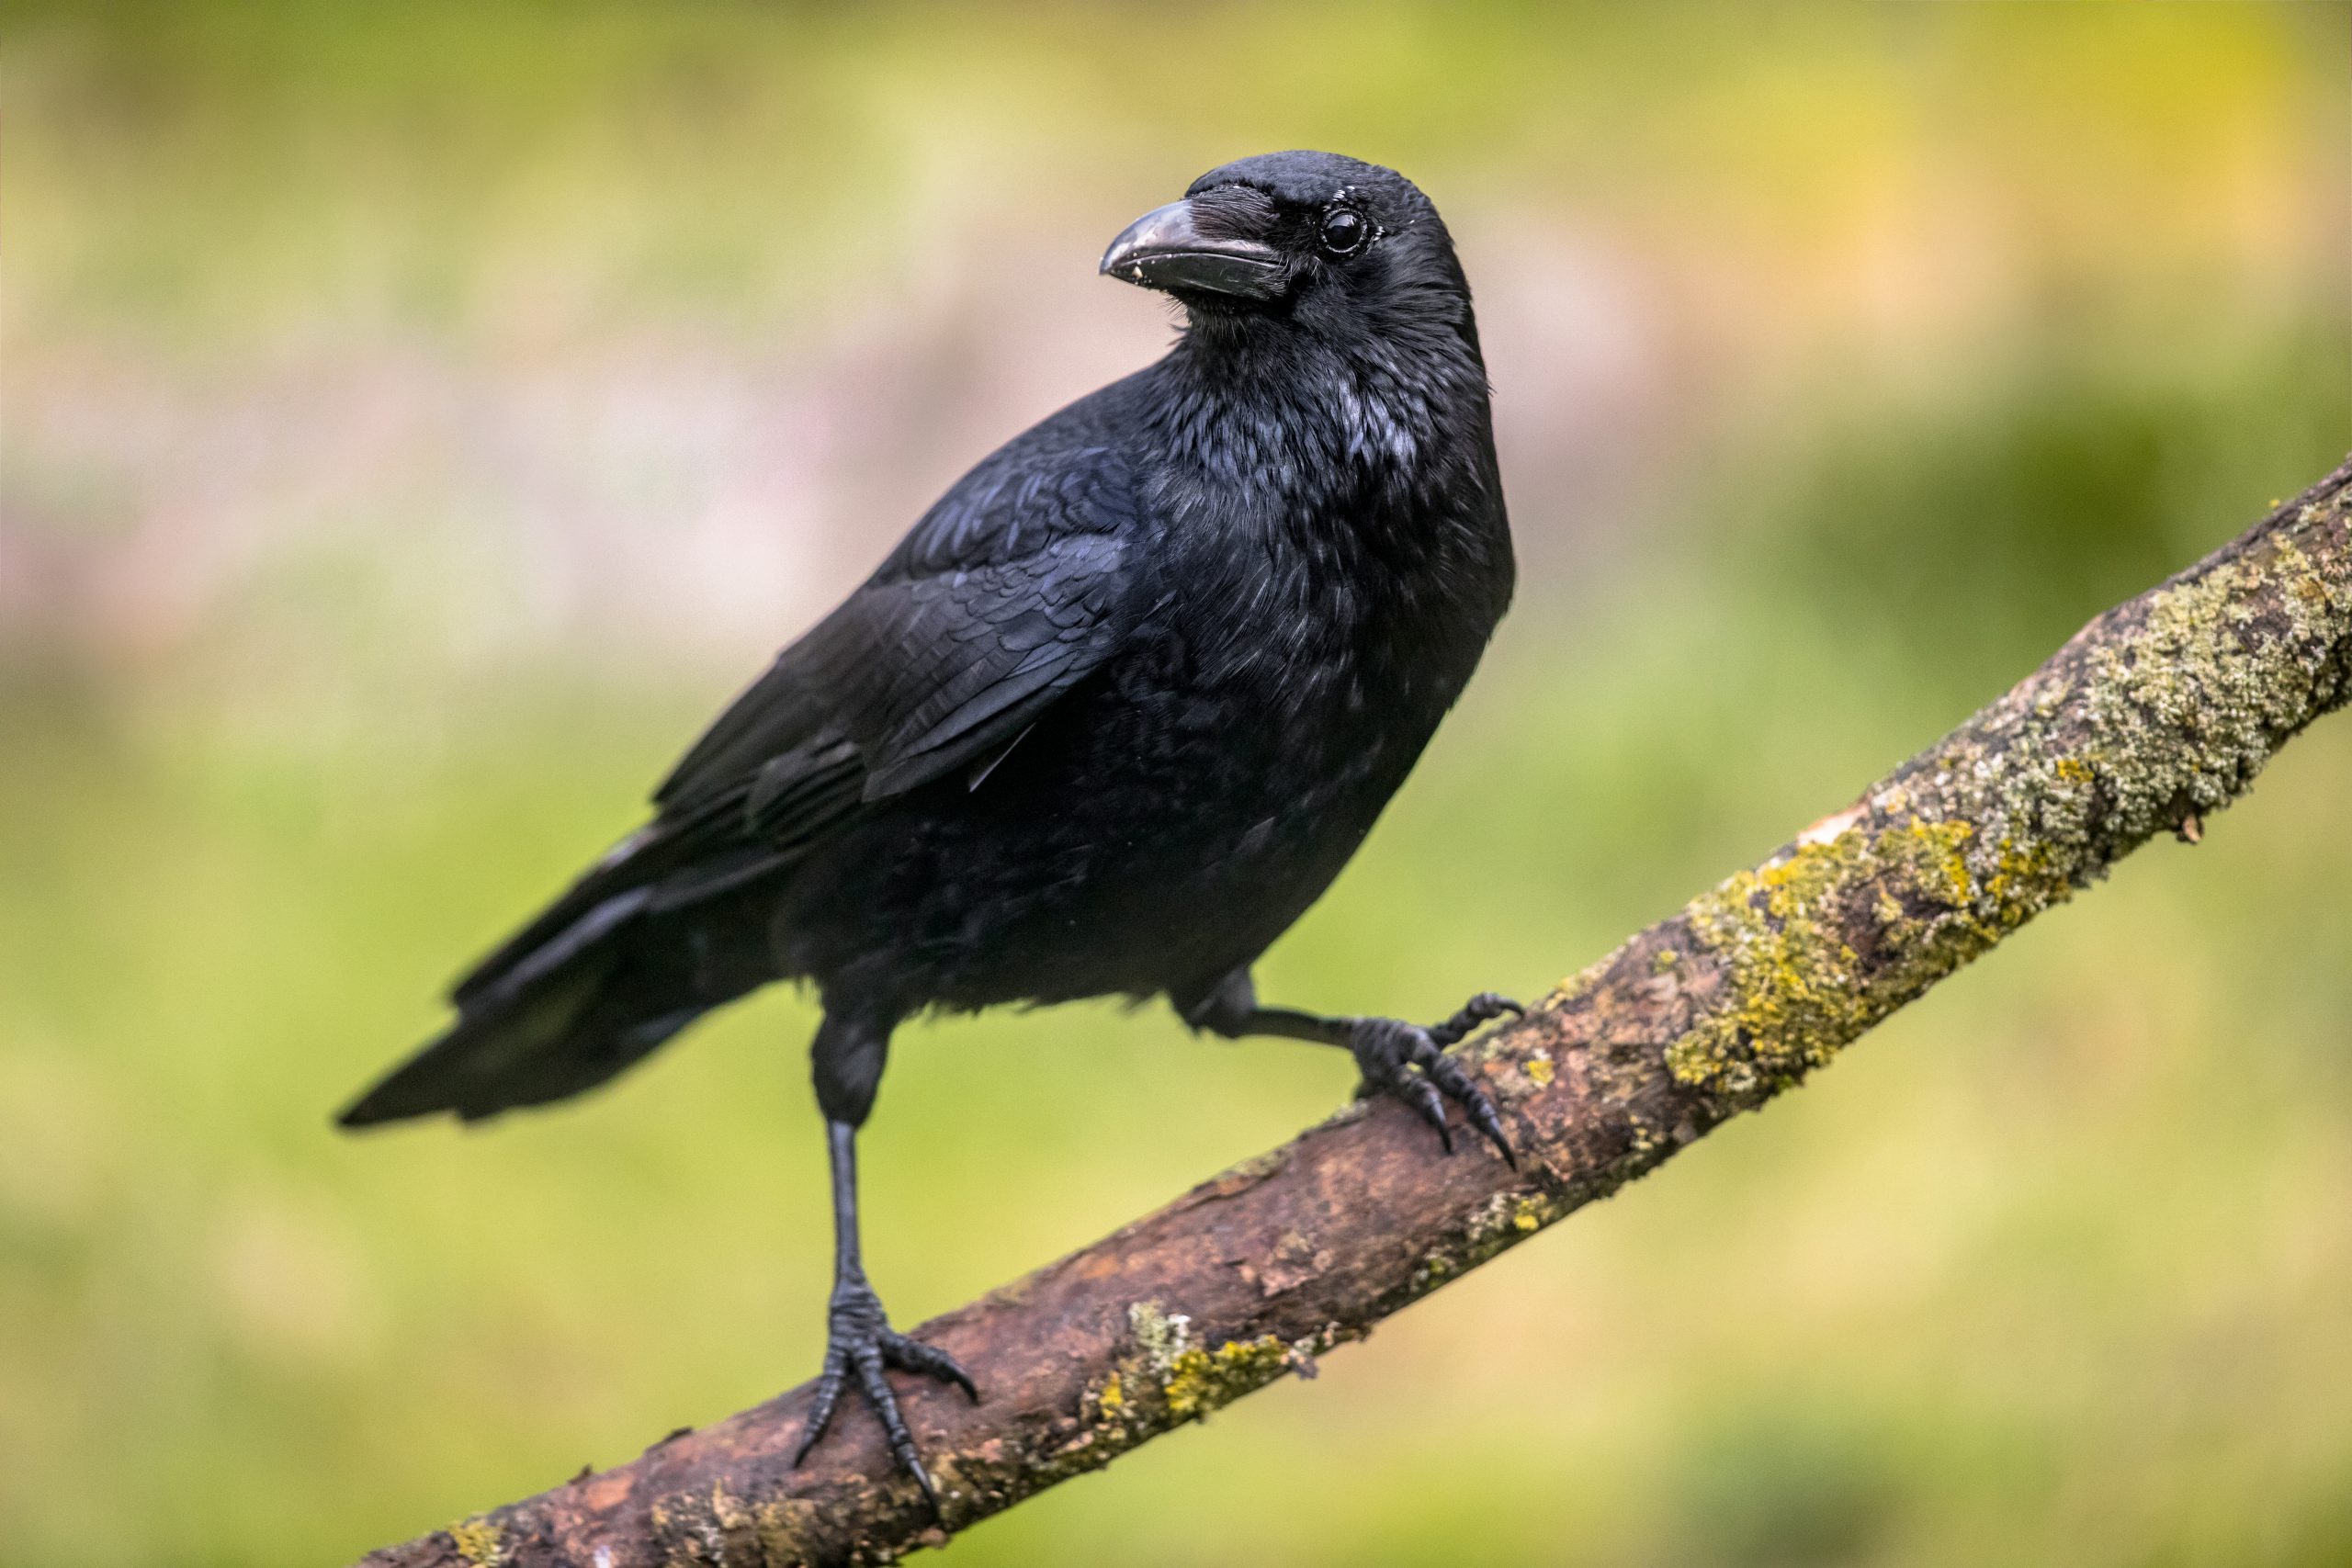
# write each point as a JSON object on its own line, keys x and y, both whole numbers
{"x": 418, "y": 419}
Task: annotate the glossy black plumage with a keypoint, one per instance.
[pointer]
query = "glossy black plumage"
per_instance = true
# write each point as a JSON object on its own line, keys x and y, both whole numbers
{"x": 1108, "y": 720}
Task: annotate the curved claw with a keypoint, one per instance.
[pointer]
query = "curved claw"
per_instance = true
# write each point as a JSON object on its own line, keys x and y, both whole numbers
{"x": 1454, "y": 1079}
{"x": 1409, "y": 1063}
{"x": 868, "y": 1358}
{"x": 914, "y": 1356}
{"x": 1479, "y": 1010}
{"x": 1422, "y": 1096}
{"x": 861, "y": 1343}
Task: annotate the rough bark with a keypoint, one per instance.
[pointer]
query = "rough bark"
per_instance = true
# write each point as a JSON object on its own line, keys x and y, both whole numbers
{"x": 2159, "y": 712}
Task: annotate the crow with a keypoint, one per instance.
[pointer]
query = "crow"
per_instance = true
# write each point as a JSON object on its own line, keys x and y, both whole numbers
{"x": 1106, "y": 722}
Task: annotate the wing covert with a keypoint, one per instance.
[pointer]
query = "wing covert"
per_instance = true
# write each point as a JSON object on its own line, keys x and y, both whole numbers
{"x": 1008, "y": 592}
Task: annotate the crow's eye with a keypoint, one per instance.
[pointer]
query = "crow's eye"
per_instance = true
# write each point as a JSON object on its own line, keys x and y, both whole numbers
{"x": 1344, "y": 231}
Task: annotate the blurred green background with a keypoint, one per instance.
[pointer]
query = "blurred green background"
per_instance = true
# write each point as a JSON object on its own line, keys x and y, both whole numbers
{"x": 419, "y": 418}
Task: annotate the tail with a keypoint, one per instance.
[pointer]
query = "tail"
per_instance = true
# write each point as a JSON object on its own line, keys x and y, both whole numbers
{"x": 594, "y": 985}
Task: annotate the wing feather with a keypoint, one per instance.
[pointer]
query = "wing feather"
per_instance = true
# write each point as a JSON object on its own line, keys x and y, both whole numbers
{"x": 1005, "y": 596}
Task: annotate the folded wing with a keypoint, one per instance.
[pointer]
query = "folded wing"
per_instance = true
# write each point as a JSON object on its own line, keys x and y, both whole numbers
{"x": 1007, "y": 595}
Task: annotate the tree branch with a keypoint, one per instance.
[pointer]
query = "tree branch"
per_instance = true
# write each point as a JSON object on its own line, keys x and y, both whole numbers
{"x": 2158, "y": 711}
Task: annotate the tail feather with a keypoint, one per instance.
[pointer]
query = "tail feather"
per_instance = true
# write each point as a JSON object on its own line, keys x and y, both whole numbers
{"x": 580, "y": 1003}
{"x": 662, "y": 851}
{"x": 496, "y": 1060}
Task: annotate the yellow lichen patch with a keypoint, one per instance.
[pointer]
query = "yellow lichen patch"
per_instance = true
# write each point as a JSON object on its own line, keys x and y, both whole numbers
{"x": 1504, "y": 1217}
{"x": 783, "y": 1525}
{"x": 1538, "y": 1066}
{"x": 2025, "y": 880}
{"x": 727, "y": 1509}
{"x": 1941, "y": 847}
{"x": 1798, "y": 990}
{"x": 2185, "y": 709}
{"x": 1112, "y": 1400}
{"x": 1203, "y": 1379}
{"x": 2167, "y": 714}
{"x": 480, "y": 1540}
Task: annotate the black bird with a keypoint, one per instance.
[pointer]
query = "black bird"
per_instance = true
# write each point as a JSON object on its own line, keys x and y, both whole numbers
{"x": 1107, "y": 721}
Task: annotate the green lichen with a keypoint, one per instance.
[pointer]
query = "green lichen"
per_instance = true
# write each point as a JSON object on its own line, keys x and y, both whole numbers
{"x": 1160, "y": 1335}
{"x": 1823, "y": 941}
{"x": 1509, "y": 1214}
{"x": 1489, "y": 1220}
{"x": 1203, "y": 1379}
{"x": 728, "y": 1510}
{"x": 2189, "y": 708}
{"x": 1502, "y": 1219}
{"x": 1161, "y": 1378}
{"x": 1575, "y": 986}
{"x": 1795, "y": 981}
{"x": 1192, "y": 1378}
{"x": 2166, "y": 714}
{"x": 782, "y": 1527}
{"x": 479, "y": 1541}
{"x": 1643, "y": 1140}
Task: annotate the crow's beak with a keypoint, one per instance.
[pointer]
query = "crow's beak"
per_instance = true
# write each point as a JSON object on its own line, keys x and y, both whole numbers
{"x": 1165, "y": 249}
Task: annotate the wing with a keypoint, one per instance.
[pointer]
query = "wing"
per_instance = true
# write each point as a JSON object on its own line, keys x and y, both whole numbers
{"x": 1005, "y": 596}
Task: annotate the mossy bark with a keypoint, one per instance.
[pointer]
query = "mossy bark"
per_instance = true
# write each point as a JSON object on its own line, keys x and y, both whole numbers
{"x": 2156, "y": 714}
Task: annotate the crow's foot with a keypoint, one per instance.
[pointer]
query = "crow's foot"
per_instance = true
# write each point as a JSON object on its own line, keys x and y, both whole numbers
{"x": 860, "y": 1342}
{"x": 1409, "y": 1062}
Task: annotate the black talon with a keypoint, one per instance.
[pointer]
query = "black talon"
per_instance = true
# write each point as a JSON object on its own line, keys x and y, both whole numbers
{"x": 1422, "y": 1096}
{"x": 861, "y": 1341}
{"x": 868, "y": 1357}
{"x": 1479, "y": 1010}
{"x": 1409, "y": 1063}
{"x": 821, "y": 1415}
{"x": 1456, "y": 1080}
{"x": 914, "y": 1356}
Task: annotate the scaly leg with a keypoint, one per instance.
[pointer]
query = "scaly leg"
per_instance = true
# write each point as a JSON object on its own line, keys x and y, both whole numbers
{"x": 860, "y": 1341}
{"x": 1407, "y": 1061}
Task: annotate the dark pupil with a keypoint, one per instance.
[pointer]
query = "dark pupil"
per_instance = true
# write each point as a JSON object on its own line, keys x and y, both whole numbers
{"x": 1342, "y": 232}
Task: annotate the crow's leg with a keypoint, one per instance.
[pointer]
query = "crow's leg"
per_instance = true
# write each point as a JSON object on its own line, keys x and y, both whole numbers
{"x": 1406, "y": 1060}
{"x": 859, "y": 1340}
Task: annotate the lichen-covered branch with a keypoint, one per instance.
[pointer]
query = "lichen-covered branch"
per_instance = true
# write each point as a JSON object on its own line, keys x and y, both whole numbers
{"x": 2156, "y": 714}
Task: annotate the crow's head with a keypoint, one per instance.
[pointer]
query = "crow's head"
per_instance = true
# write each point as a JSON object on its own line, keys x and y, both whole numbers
{"x": 1331, "y": 243}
